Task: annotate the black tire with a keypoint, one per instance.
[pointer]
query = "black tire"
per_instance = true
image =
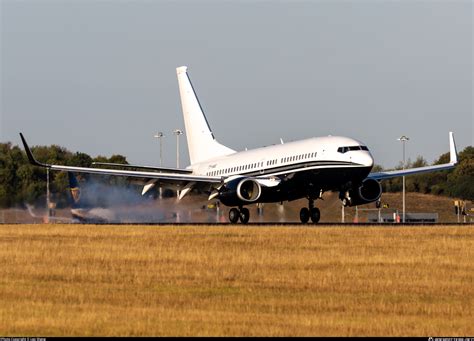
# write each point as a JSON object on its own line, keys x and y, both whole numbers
{"x": 304, "y": 215}
{"x": 234, "y": 215}
{"x": 315, "y": 215}
{"x": 244, "y": 215}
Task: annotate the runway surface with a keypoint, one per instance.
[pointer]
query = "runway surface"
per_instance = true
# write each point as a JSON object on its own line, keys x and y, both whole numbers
{"x": 270, "y": 224}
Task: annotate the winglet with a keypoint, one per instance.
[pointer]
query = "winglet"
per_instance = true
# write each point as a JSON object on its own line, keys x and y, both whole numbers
{"x": 453, "y": 154}
{"x": 31, "y": 158}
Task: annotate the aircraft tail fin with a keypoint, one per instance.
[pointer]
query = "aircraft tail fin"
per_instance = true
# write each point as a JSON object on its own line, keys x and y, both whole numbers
{"x": 201, "y": 142}
{"x": 75, "y": 190}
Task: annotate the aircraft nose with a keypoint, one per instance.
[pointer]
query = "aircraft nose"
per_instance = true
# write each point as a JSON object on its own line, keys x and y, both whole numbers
{"x": 366, "y": 159}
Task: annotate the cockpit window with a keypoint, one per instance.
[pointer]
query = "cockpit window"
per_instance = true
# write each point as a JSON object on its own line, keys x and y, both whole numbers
{"x": 350, "y": 148}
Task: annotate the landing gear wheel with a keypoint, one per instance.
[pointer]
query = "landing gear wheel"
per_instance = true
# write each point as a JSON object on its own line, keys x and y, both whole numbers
{"x": 234, "y": 215}
{"x": 315, "y": 215}
{"x": 304, "y": 215}
{"x": 244, "y": 215}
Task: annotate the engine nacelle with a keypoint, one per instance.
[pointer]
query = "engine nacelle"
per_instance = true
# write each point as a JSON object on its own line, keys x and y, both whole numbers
{"x": 368, "y": 192}
{"x": 240, "y": 191}
{"x": 249, "y": 190}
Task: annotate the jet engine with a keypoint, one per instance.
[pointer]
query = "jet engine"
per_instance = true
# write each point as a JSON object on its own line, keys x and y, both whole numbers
{"x": 240, "y": 191}
{"x": 249, "y": 190}
{"x": 368, "y": 192}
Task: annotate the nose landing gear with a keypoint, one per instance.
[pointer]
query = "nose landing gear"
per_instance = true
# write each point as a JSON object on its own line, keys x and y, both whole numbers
{"x": 346, "y": 199}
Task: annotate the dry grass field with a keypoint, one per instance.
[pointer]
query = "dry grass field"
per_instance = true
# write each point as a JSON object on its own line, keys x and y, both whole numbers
{"x": 73, "y": 280}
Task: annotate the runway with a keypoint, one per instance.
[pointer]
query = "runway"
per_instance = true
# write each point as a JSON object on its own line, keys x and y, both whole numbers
{"x": 266, "y": 224}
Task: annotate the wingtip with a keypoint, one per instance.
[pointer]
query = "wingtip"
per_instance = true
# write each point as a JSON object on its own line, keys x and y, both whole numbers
{"x": 453, "y": 154}
{"x": 25, "y": 145}
{"x": 29, "y": 154}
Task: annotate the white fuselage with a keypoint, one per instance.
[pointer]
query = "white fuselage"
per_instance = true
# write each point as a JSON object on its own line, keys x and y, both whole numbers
{"x": 312, "y": 153}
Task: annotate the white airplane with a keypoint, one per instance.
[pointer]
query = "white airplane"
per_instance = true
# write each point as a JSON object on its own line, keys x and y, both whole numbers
{"x": 287, "y": 171}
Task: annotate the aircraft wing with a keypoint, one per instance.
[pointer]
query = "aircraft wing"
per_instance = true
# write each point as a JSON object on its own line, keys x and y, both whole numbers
{"x": 177, "y": 178}
{"x": 395, "y": 173}
{"x": 158, "y": 169}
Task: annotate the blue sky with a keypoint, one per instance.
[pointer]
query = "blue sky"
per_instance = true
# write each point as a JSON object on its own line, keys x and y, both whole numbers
{"x": 99, "y": 76}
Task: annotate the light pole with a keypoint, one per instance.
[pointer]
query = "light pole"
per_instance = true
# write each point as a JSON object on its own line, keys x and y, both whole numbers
{"x": 177, "y": 132}
{"x": 47, "y": 196}
{"x": 160, "y": 135}
{"x": 403, "y": 139}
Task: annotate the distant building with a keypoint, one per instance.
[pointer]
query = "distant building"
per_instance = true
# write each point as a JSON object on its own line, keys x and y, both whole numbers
{"x": 413, "y": 218}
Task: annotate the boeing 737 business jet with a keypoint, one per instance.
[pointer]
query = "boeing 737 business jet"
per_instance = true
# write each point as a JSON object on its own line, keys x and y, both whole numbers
{"x": 287, "y": 171}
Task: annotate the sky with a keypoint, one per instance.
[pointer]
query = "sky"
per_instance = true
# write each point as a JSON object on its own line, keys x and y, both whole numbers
{"x": 100, "y": 76}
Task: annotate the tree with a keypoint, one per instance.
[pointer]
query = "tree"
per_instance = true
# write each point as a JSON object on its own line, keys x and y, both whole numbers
{"x": 10, "y": 160}
{"x": 417, "y": 183}
{"x": 461, "y": 180}
{"x": 116, "y": 158}
{"x": 457, "y": 182}
{"x": 80, "y": 160}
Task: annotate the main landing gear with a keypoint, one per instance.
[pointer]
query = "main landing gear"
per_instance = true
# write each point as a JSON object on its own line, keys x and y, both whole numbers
{"x": 242, "y": 213}
{"x": 310, "y": 212}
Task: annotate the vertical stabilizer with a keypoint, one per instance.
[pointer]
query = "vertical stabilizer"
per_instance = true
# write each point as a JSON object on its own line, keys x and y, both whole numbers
{"x": 75, "y": 190}
{"x": 201, "y": 142}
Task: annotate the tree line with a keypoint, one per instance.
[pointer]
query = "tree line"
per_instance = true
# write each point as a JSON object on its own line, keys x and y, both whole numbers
{"x": 21, "y": 183}
{"x": 455, "y": 183}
